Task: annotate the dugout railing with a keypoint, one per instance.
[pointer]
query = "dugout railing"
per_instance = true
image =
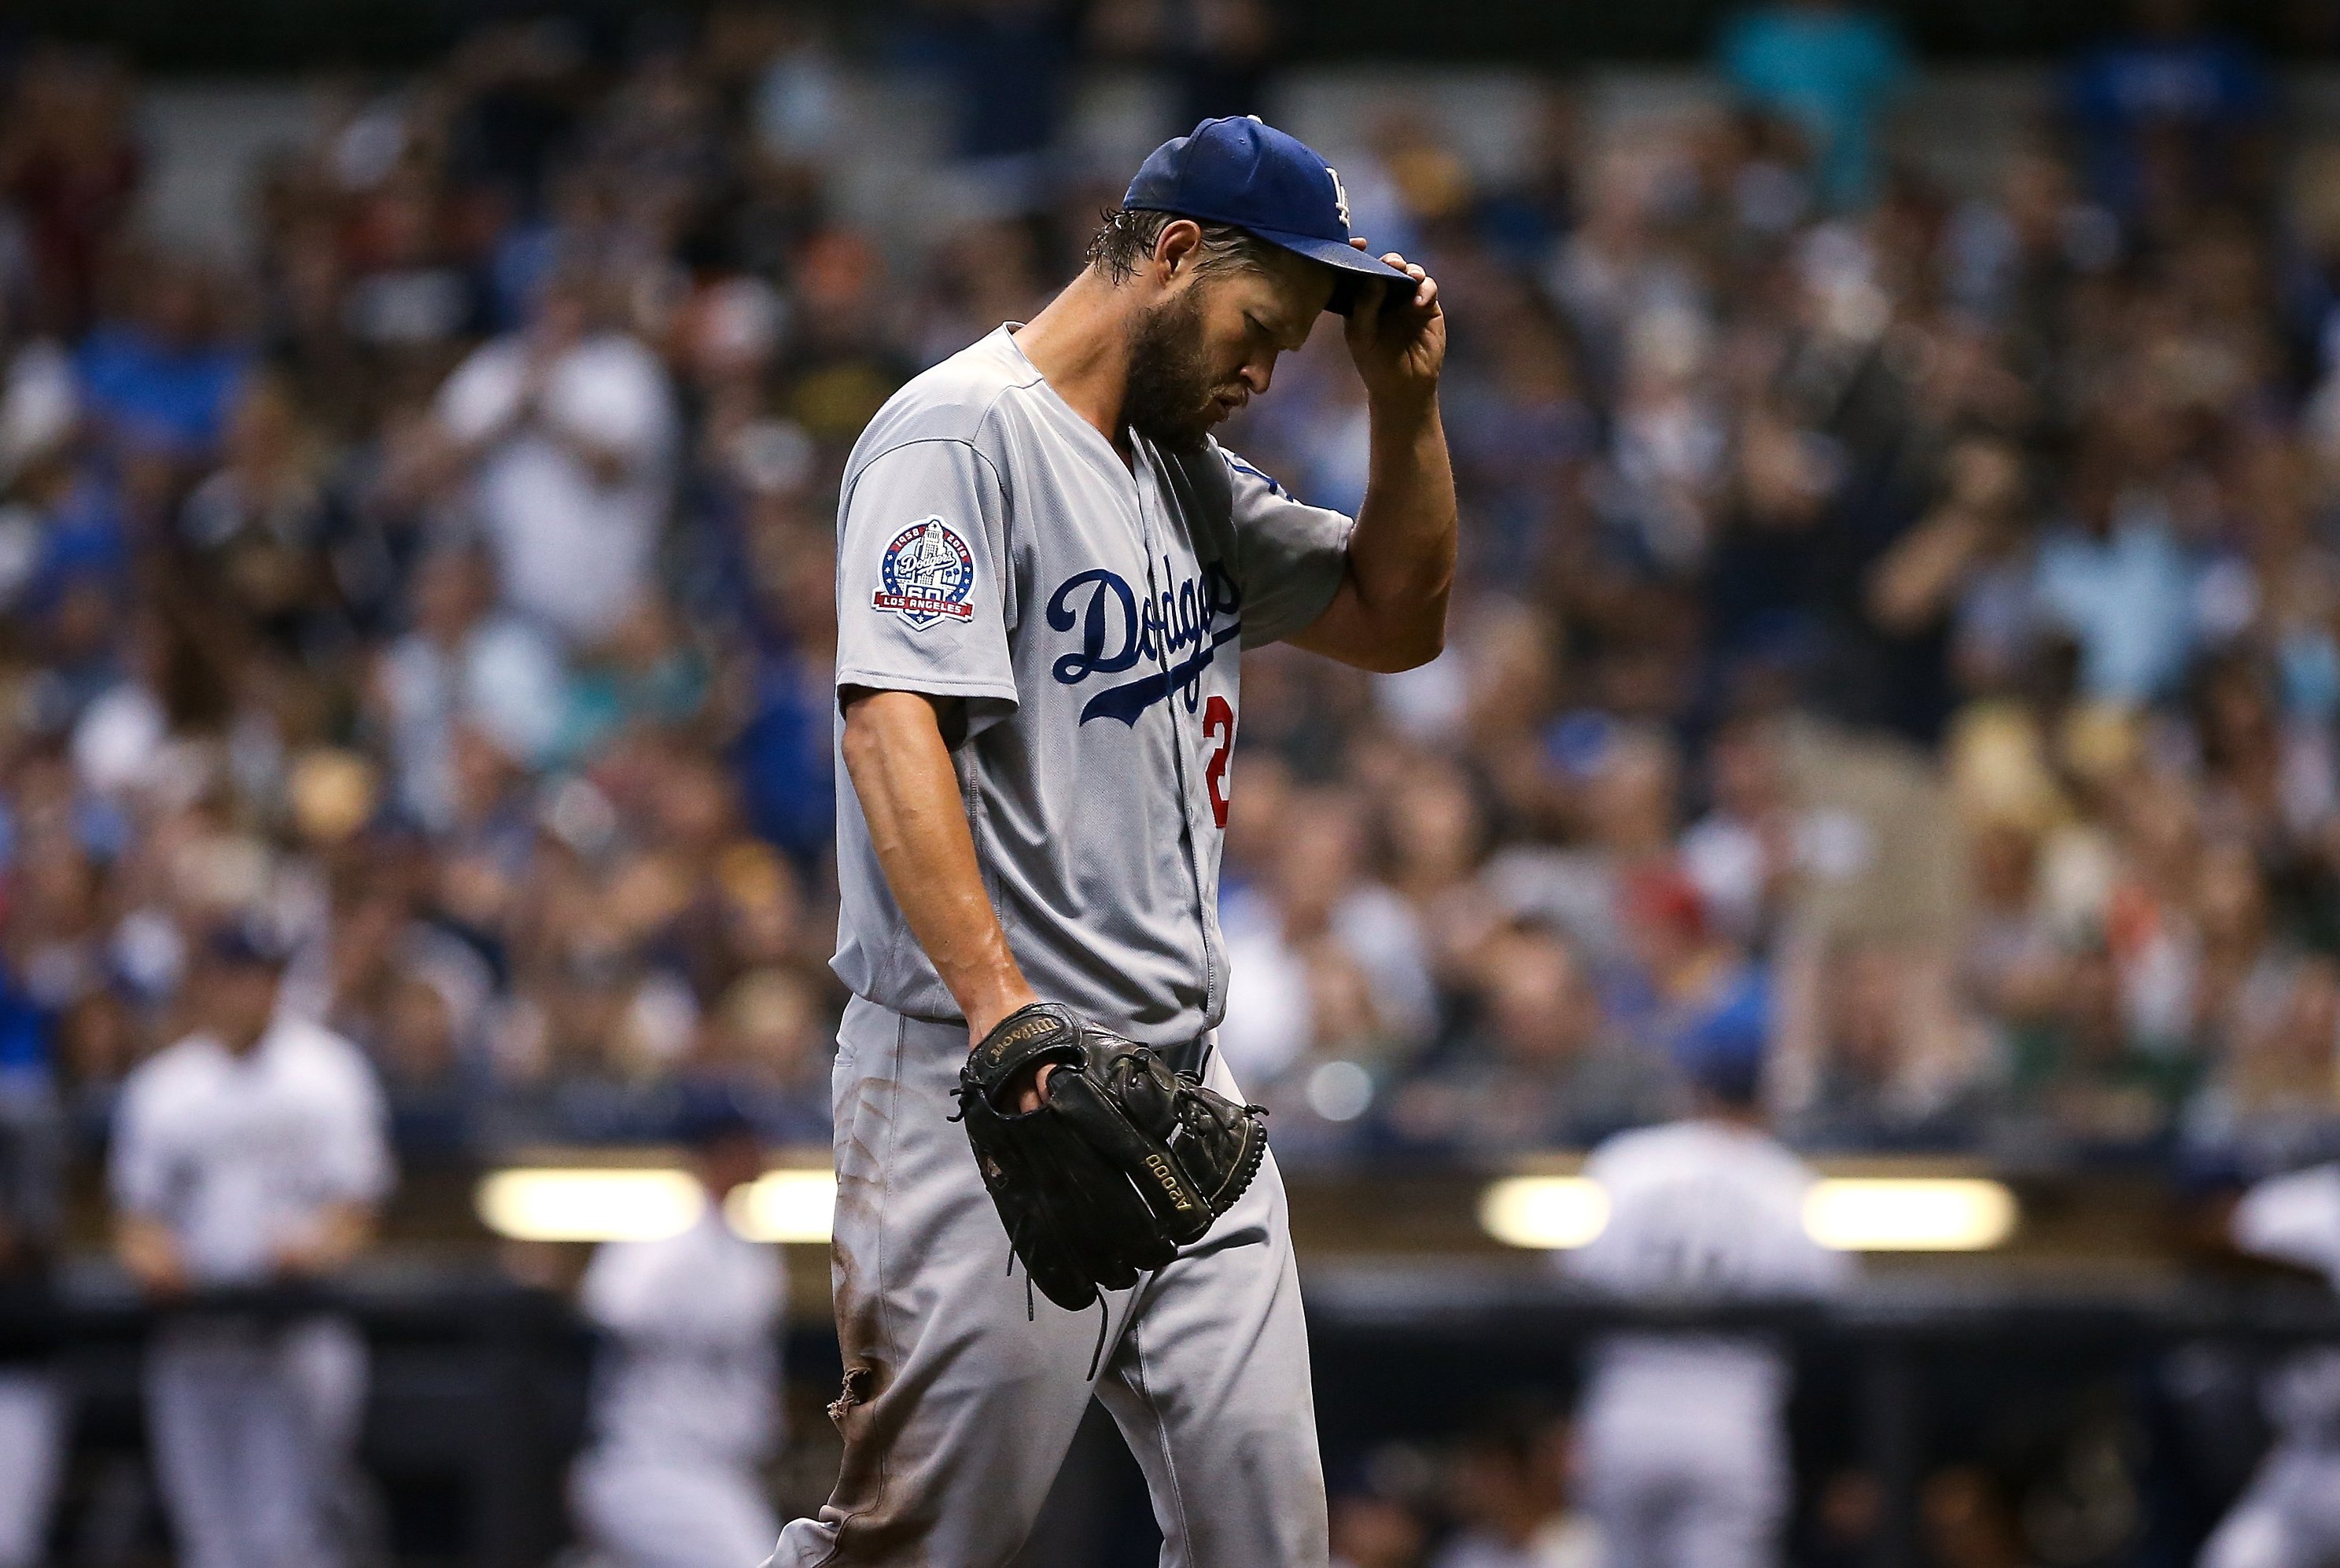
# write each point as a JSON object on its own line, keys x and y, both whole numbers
{"x": 478, "y": 1384}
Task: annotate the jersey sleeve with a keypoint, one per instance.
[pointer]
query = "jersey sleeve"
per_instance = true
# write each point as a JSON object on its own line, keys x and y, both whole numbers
{"x": 922, "y": 587}
{"x": 350, "y": 1147}
{"x": 1289, "y": 556}
{"x": 139, "y": 1163}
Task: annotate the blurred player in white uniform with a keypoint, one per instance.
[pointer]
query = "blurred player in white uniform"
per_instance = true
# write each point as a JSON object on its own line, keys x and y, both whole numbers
{"x": 32, "y": 1407}
{"x": 685, "y": 1407}
{"x": 2289, "y": 1517}
{"x": 248, "y": 1153}
{"x": 1685, "y": 1455}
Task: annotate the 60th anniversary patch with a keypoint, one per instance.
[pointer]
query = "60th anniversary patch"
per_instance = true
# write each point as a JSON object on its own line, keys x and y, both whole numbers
{"x": 927, "y": 575}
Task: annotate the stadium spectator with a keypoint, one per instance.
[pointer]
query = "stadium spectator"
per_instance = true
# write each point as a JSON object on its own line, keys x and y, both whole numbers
{"x": 158, "y": 380}
{"x": 1509, "y": 1485}
{"x": 1827, "y": 68}
{"x": 2169, "y": 112}
{"x": 1872, "y": 1052}
{"x": 567, "y": 431}
{"x": 461, "y": 663}
{"x": 71, "y": 166}
{"x": 1541, "y": 1067}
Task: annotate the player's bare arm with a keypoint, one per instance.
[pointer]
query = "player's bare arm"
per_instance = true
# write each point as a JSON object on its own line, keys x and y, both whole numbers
{"x": 150, "y": 1254}
{"x": 901, "y": 770}
{"x": 333, "y": 1239}
{"x": 1389, "y": 611}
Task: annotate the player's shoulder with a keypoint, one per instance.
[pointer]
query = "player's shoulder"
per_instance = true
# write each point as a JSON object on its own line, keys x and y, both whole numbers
{"x": 1693, "y": 1144}
{"x": 317, "y": 1055}
{"x": 2309, "y": 1184}
{"x": 1640, "y": 1145}
{"x": 2302, "y": 1201}
{"x": 962, "y": 400}
{"x": 171, "y": 1071}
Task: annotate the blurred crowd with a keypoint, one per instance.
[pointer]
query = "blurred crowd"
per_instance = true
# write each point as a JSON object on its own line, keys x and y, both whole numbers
{"x": 1907, "y": 618}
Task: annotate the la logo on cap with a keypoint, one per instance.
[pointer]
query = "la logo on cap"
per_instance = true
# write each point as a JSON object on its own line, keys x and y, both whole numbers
{"x": 1340, "y": 196}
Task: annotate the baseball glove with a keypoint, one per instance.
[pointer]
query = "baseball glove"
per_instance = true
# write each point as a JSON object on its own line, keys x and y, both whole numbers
{"x": 1125, "y": 1163}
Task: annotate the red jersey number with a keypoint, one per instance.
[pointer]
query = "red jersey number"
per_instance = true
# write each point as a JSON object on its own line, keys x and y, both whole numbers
{"x": 1219, "y": 731}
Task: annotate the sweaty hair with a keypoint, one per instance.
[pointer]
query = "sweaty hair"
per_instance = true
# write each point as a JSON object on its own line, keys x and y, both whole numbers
{"x": 1126, "y": 236}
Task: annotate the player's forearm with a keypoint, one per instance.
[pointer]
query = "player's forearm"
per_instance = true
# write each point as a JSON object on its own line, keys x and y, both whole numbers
{"x": 909, "y": 795}
{"x": 150, "y": 1254}
{"x": 333, "y": 1240}
{"x": 1401, "y": 554}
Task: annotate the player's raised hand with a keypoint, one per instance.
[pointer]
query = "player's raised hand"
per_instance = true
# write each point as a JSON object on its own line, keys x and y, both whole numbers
{"x": 1398, "y": 341}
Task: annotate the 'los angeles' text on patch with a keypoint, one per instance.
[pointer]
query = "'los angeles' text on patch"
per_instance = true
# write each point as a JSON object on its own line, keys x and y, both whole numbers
{"x": 928, "y": 575}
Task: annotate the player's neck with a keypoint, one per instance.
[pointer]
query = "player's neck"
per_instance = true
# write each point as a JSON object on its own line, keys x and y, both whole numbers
{"x": 1732, "y": 1114}
{"x": 1080, "y": 343}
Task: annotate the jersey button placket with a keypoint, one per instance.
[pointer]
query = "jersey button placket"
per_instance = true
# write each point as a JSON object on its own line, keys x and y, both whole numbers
{"x": 1185, "y": 767}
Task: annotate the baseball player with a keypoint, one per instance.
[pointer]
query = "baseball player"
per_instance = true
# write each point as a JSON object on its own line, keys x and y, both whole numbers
{"x": 1685, "y": 1458}
{"x": 251, "y": 1152}
{"x": 2289, "y": 1515}
{"x": 1047, "y": 569}
{"x": 684, "y": 1398}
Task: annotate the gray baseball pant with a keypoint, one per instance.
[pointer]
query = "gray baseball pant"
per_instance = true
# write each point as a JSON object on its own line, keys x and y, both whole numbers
{"x": 672, "y": 1511}
{"x": 253, "y": 1427}
{"x": 957, "y": 1410}
{"x": 1671, "y": 1493}
{"x": 32, "y": 1450}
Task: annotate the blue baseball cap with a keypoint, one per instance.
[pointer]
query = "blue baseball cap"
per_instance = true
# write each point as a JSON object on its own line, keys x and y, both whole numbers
{"x": 1723, "y": 1047}
{"x": 1244, "y": 173}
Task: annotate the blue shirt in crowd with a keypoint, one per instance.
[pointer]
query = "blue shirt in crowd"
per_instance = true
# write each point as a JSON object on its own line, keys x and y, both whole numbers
{"x": 1830, "y": 71}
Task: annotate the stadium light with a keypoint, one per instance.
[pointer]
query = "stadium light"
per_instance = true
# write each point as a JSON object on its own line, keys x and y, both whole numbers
{"x": 1549, "y": 1212}
{"x": 1847, "y": 1214}
{"x": 1910, "y": 1214}
{"x": 784, "y": 1206}
{"x": 551, "y": 1203}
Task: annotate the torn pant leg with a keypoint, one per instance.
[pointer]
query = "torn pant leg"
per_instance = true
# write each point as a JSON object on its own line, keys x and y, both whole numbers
{"x": 958, "y": 1409}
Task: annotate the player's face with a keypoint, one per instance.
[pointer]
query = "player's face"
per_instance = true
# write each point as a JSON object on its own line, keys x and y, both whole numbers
{"x": 239, "y": 1000}
{"x": 1211, "y": 347}
{"x": 730, "y": 1163}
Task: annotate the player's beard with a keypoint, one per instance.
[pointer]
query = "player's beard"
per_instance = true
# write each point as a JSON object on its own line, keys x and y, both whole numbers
{"x": 1168, "y": 397}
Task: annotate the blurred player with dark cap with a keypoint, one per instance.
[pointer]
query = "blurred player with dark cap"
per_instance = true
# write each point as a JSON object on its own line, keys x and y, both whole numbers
{"x": 686, "y": 1391}
{"x": 251, "y": 1153}
{"x": 1685, "y": 1458}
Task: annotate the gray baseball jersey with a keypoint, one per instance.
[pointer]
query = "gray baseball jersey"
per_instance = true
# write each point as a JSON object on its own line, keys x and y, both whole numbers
{"x": 993, "y": 546}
